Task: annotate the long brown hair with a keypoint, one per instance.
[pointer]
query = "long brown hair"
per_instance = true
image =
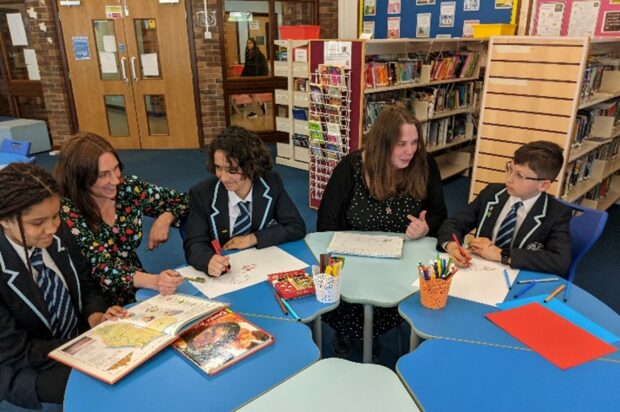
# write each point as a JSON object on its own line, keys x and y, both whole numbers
{"x": 23, "y": 185}
{"x": 78, "y": 169}
{"x": 382, "y": 180}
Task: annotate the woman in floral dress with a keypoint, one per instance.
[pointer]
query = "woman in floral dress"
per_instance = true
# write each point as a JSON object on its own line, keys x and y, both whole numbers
{"x": 104, "y": 209}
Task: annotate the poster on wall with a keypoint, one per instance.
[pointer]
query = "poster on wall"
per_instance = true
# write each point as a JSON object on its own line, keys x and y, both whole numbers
{"x": 368, "y": 27}
{"x": 550, "y": 18}
{"x": 471, "y": 5}
{"x": 370, "y": 8}
{"x": 16, "y": 29}
{"x": 583, "y": 18}
{"x": 446, "y": 13}
{"x": 468, "y": 28}
{"x": 393, "y": 28}
{"x": 503, "y": 4}
{"x": 423, "y": 26}
{"x": 113, "y": 12}
{"x": 393, "y": 7}
{"x": 611, "y": 22}
{"x": 424, "y": 2}
{"x": 81, "y": 50}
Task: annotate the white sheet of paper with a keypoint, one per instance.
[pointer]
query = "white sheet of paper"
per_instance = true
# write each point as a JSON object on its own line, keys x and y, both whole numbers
{"x": 109, "y": 43}
{"x": 550, "y": 17}
{"x": 358, "y": 244}
{"x": 108, "y": 62}
{"x": 482, "y": 282}
{"x": 150, "y": 67}
{"x": 583, "y": 18}
{"x": 30, "y": 56}
{"x": 248, "y": 267}
{"x": 16, "y": 29}
{"x": 33, "y": 72}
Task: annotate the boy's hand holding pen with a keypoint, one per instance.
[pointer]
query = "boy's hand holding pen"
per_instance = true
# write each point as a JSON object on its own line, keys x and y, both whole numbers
{"x": 218, "y": 265}
{"x": 458, "y": 254}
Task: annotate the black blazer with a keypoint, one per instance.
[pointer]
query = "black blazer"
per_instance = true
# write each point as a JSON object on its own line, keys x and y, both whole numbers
{"x": 25, "y": 335}
{"x": 275, "y": 219}
{"x": 542, "y": 243}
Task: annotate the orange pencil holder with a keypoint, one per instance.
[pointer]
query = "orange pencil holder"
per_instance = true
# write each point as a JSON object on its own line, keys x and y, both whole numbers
{"x": 434, "y": 292}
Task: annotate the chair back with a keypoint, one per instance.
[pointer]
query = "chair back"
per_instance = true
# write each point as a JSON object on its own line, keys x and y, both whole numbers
{"x": 586, "y": 227}
{"x": 18, "y": 147}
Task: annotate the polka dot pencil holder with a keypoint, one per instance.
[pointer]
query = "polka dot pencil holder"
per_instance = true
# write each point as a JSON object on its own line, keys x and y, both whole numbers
{"x": 327, "y": 287}
{"x": 434, "y": 292}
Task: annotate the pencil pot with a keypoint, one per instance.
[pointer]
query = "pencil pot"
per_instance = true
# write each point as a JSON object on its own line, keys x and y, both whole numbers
{"x": 434, "y": 292}
{"x": 327, "y": 287}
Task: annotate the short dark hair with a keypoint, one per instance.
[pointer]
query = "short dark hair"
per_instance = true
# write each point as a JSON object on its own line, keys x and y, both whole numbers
{"x": 544, "y": 158}
{"x": 243, "y": 147}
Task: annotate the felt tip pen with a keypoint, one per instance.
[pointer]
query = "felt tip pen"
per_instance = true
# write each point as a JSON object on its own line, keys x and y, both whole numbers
{"x": 507, "y": 279}
{"x": 218, "y": 249}
{"x": 279, "y": 300}
{"x": 525, "y": 289}
{"x": 290, "y": 309}
{"x": 458, "y": 244}
{"x": 555, "y": 293}
{"x": 543, "y": 280}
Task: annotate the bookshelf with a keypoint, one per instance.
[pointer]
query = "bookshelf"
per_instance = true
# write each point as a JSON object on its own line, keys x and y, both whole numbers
{"x": 292, "y": 103}
{"x": 564, "y": 90}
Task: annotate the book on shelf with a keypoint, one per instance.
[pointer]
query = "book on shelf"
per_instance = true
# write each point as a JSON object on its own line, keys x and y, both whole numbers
{"x": 293, "y": 284}
{"x": 300, "y": 113}
{"x": 112, "y": 349}
{"x": 221, "y": 340}
{"x": 300, "y": 140}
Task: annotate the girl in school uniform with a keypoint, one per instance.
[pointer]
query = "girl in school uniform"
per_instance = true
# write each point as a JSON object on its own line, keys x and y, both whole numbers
{"x": 243, "y": 205}
{"x": 46, "y": 291}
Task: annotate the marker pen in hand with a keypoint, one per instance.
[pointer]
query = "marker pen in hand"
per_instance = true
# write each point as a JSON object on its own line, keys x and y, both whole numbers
{"x": 218, "y": 249}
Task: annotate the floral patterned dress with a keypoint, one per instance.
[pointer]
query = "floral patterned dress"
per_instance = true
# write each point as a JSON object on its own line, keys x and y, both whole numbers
{"x": 112, "y": 251}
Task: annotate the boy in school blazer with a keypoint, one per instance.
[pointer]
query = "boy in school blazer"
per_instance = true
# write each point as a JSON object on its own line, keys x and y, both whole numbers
{"x": 241, "y": 165}
{"x": 517, "y": 223}
{"x": 27, "y": 376}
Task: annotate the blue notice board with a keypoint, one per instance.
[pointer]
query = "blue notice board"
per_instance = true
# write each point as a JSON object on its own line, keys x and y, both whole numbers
{"x": 81, "y": 49}
{"x": 486, "y": 13}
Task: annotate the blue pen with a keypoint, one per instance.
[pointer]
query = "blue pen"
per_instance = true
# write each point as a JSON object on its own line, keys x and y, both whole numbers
{"x": 543, "y": 280}
{"x": 568, "y": 285}
{"x": 525, "y": 289}
{"x": 290, "y": 309}
{"x": 507, "y": 279}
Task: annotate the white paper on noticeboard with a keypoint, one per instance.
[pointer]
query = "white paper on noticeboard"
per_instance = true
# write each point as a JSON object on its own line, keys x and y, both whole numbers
{"x": 16, "y": 29}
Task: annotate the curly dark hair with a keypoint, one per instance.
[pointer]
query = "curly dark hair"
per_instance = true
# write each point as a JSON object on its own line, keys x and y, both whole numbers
{"x": 243, "y": 147}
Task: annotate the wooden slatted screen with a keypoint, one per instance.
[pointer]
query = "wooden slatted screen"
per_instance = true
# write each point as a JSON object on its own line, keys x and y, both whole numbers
{"x": 531, "y": 92}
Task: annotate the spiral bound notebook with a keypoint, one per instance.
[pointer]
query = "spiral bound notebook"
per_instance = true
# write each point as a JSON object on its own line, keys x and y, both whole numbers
{"x": 357, "y": 244}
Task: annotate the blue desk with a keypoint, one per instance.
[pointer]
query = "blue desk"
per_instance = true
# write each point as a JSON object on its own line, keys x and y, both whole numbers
{"x": 168, "y": 382}
{"x": 459, "y": 376}
{"x": 258, "y": 300}
{"x": 464, "y": 320}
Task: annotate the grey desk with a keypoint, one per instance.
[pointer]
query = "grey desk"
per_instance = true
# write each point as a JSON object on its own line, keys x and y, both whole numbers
{"x": 337, "y": 385}
{"x": 377, "y": 281}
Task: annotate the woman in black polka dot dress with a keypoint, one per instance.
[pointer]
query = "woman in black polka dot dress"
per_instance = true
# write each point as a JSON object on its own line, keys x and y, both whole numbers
{"x": 390, "y": 185}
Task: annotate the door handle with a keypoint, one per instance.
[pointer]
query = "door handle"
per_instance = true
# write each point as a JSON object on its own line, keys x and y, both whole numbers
{"x": 123, "y": 70}
{"x": 133, "y": 69}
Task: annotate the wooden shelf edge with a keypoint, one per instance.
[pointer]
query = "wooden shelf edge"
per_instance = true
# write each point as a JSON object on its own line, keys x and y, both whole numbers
{"x": 414, "y": 85}
{"x": 609, "y": 200}
{"x": 451, "y": 144}
{"x": 581, "y": 189}
{"x": 297, "y": 164}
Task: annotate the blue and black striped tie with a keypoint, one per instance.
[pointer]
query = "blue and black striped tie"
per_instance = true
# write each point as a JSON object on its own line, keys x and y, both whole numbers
{"x": 507, "y": 229}
{"x": 243, "y": 223}
{"x": 63, "y": 319}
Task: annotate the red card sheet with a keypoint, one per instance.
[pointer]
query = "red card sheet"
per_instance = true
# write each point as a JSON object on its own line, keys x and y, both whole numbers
{"x": 550, "y": 335}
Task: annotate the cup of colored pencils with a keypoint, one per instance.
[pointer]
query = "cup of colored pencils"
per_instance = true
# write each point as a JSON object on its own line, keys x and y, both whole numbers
{"x": 435, "y": 280}
{"x": 327, "y": 280}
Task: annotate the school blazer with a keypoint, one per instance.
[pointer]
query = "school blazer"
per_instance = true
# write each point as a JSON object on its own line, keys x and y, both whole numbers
{"x": 275, "y": 219}
{"x": 25, "y": 335}
{"x": 542, "y": 243}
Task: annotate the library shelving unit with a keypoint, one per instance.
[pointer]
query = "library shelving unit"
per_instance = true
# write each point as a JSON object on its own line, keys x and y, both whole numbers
{"x": 564, "y": 90}
{"x": 436, "y": 79}
{"x": 292, "y": 103}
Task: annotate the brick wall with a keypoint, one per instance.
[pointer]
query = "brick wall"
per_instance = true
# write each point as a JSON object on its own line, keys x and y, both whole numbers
{"x": 328, "y": 18}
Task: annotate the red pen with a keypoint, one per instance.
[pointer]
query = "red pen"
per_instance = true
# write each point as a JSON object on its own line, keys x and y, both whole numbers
{"x": 458, "y": 244}
{"x": 218, "y": 249}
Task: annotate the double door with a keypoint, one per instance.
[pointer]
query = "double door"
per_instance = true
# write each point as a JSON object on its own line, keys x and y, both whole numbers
{"x": 130, "y": 71}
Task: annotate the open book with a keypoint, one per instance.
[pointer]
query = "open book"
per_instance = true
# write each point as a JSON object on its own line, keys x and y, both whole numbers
{"x": 347, "y": 243}
{"x": 112, "y": 349}
{"x": 222, "y": 340}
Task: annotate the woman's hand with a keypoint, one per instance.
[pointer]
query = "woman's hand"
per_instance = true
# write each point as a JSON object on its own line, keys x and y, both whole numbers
{"x": 160, "y": 230}
{"x": 417, "y": 227}
{"x": 241, "y": 242}
{"x": 218, "y": 265}
{"x": 168, "y": 281}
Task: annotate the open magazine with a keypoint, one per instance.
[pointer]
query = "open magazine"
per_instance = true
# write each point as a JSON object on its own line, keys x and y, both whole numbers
{"x": 112, "y": 349}
{"x": 221, "y": 340}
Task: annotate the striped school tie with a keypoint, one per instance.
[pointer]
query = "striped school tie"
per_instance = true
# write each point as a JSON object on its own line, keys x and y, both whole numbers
{"x": 507, "y": 229}
{"x": 243, "y": 223}
{"x": 63, "y": 319}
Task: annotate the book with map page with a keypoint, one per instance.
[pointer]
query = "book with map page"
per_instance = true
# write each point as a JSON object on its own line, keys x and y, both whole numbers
{"x": 112, "y": 349}
{"x": 221, "y": 340}
{"x": 357, "y": 244}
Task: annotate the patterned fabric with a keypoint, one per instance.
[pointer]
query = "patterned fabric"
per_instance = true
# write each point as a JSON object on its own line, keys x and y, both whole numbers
{"x": 112, "y": 252}
{"x": 62, "y": 316}
{"x": 243, "y": 222}
{"x": 506, "y": 231}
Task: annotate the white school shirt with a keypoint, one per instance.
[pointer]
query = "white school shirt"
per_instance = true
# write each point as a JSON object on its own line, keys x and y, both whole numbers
{"x": 47, "y": 260}
{"x": 521, "y": 212}
{"x": 233, "y": 207}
